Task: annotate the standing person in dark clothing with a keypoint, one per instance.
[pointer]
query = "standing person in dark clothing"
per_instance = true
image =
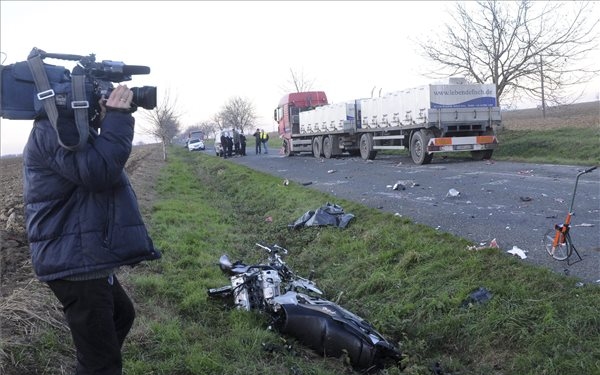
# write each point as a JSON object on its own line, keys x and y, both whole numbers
{"x": 236, "y": 142}
{"x": 258, "y": 141}
{"x": 229, "y": 145}
{"x": 224, "y": 144}
{"x": 242, "y": 143}
{"x": 83, "y": 223}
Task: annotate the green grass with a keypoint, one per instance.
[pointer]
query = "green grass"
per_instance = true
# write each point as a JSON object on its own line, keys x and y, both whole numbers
{"x": 406, "y": 279}
{"x": 579, "y": 146}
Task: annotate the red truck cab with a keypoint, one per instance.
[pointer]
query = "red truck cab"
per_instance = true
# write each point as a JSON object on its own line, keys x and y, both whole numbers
{"x": 287, "y": 113}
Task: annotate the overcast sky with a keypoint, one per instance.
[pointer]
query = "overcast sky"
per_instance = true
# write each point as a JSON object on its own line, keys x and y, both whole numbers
{"x": 205, "y": 52}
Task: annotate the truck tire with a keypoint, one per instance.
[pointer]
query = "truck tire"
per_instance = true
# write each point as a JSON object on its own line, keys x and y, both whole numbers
{"x": 366, "y": 147}
{"x": 317, "y": 146}
{"x": 327, "y": 147}
{"x": 418, "y": 148}
{"x": 286, "y": 148}
{"x": 482, "y": 154}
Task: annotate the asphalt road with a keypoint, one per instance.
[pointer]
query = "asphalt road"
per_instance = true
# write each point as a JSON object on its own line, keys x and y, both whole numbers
{"x": 514, "y": 203}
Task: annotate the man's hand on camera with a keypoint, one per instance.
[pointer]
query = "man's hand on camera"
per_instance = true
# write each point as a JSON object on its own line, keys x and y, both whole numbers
{"x": 120, "y": 99}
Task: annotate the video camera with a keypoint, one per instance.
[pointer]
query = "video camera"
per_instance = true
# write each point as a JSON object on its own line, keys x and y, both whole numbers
{"x": 21, "y": 100}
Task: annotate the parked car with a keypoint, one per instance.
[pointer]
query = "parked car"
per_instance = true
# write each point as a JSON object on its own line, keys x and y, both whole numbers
{"x": 195, "y": 144}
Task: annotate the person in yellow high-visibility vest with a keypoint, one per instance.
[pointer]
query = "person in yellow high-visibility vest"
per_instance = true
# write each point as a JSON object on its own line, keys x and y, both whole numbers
{"x": 264, "y": 138}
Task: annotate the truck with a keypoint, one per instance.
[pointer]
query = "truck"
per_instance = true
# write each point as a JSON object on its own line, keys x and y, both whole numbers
{"x": 194, "y": 134}
{"x": 199, "y": 134}
{"x": 450, "y": 117}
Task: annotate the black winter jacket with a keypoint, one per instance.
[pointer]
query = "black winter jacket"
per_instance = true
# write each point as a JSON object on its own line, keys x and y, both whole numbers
{"x": 81, "y": 212}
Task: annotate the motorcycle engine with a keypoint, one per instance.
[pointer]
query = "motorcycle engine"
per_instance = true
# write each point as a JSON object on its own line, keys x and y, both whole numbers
{"x": 251, "y": 291}
{"x": 241, "y": 296}
{"x": 270, "y": 282}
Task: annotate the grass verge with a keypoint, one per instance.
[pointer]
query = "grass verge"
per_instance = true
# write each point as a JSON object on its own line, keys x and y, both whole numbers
{"x": 577, "y": 146}
{"x": 408, "y": 280}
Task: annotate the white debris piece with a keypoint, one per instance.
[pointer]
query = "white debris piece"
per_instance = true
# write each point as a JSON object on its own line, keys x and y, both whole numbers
{"x": 453, "y": 193}
{"x": 517, "y": 252}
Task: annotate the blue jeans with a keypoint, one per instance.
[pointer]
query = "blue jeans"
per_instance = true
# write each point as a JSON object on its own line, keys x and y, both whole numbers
{"x": 264, "y": 143}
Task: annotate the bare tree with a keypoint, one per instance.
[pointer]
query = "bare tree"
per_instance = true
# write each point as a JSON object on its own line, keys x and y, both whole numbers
{"x": 298, "y": 82}
{"x": 164, "y": 122}
{"x": 238, "y": 113}
{"x": 513, "y": 44}
{"x": 219, "y": 121}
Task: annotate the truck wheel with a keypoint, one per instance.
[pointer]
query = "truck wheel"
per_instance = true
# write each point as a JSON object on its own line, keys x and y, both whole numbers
{"x": 366, "y": 147}
{"x": 482, "y": 154}
{"x": 418, "y": 148}
{"x": 327, "y": 147}
{"x": 317, "y": 147}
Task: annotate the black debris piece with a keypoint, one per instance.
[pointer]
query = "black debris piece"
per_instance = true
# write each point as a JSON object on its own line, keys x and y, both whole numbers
{"x": 328, "y": 214}
{"x": 479, "y": 296}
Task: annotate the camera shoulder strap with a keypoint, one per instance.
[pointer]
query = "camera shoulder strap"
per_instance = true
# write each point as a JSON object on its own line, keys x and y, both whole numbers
{"x": 80, "y": 107}
{"x": 46, "y": 96}
{"x": 45, "y": 93}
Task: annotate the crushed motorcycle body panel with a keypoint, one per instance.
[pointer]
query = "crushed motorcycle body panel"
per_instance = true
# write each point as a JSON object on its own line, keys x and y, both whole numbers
{"x": 331, "y": 330}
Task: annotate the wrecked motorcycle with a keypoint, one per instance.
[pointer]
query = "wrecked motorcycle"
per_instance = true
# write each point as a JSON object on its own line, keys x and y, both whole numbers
{"x": 296, "y": 308}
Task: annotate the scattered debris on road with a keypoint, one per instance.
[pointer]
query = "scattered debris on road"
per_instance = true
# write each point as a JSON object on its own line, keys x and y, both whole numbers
{"x": 452, "y": 193}
{"x": 493, "y": 244}
{"x": 402, "y": 185}
{"x": 517, "y": 252}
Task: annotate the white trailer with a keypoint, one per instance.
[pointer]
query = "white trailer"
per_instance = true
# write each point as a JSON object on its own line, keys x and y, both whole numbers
{"x": 425, "y": 119}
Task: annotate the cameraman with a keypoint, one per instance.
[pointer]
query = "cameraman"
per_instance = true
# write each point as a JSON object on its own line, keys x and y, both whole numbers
{"x": 83, "y": 223}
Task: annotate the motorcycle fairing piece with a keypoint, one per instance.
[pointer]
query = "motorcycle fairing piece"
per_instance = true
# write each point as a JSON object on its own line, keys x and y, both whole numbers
{"x": 331, "y": 330}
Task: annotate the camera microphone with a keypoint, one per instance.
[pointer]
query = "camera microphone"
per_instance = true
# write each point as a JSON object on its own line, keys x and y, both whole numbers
{"x": 135, "y": 69}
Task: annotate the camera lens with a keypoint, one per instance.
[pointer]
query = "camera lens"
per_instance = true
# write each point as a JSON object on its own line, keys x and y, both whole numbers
{"x": 144, "y": 97}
